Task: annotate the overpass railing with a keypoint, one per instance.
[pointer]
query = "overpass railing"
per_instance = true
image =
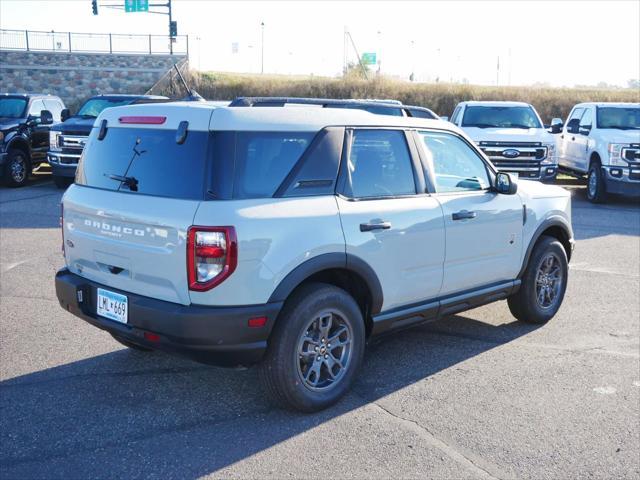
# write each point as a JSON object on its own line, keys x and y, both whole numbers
{"x": 29, "y": 40}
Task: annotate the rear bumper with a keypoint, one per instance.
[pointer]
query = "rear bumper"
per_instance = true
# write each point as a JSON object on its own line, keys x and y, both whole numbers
{"x": 213, "y": 335}
{"x": 622, "y": 180}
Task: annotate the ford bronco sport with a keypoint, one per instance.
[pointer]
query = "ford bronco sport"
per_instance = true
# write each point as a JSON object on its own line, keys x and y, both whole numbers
{"x": 287, "y": 237}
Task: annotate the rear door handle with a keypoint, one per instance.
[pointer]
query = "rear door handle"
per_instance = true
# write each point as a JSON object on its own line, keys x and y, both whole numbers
{"x": 463, "y": 215}
{"x": 370, "y": 227}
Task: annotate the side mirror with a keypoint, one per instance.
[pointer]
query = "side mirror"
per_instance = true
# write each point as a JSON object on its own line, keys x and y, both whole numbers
{"x": 506, "y": 184}
{"x": 556, "y": 125}
{"x": 65, "y": 114}
{"x": 445, "y": 118}
{"x": 46, "y": 118}
{"x": 572, "y": 126}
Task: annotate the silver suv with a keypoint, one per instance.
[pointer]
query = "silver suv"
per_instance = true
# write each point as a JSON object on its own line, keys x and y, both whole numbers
{"x": 290, "y": 236}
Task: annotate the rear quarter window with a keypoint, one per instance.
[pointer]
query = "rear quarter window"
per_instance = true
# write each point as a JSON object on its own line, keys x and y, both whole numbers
{"x": 264, "y": 159}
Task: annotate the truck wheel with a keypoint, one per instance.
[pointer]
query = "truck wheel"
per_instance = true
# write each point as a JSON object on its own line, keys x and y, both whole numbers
{"x": 61, "y": 182}
{"x": 129, "y": 344}
{"x": 315, "y": 350}
{"x": 17, "y": 169}
{"x": 596, "y": 192}
{"x": 543, "y": 283}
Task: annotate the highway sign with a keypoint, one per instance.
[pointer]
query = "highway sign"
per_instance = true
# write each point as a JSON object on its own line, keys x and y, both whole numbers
{"x": 369, "y": 58}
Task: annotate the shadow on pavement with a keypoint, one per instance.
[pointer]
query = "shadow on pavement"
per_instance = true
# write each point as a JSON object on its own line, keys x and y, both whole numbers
{"x": 126, "y": 413}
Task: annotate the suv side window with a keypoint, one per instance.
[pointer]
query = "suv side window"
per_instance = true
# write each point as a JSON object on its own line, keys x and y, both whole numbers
{"x": 456, "y": 167}
{"x": 379, "y": 165}
{"x": 36, "y": 107}
{"x": 55, "y": 107}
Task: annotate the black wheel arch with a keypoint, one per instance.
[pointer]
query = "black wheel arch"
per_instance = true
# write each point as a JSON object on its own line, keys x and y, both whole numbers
{"x": 344, "y": 270}
{"x": 556, "y": 227}
{"x": 19, "y": 143}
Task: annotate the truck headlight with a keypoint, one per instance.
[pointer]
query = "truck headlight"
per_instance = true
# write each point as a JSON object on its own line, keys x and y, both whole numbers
{"x": 53, "y": 140}
{"x": 551, "y": 159}
{"x": 615, "y": 154}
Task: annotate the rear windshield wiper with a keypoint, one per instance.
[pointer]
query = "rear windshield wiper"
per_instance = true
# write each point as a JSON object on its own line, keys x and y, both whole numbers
{"x": 130, "y": 182}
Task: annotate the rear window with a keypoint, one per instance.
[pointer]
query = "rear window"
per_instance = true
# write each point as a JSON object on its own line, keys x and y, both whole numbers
{"x": 149, "y": 157}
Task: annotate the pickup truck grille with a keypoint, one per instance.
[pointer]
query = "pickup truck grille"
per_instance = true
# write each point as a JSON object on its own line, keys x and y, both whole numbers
{"x": 72, "y": 142}
{"x": 522, "y": 158}
{"x": 632, "y": 153}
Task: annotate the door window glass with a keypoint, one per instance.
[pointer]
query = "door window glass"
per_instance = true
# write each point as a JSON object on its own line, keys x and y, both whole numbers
{"x": 55, "y": 108}
{"x": 379, "y": 165}
{"x": 36, "y": 107}
{"x": 587, "y": 119}
{"x": 456, "y": 166}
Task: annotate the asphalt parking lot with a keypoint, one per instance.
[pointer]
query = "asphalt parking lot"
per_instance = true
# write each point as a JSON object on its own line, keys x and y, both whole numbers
{"x": 476, "y": 395}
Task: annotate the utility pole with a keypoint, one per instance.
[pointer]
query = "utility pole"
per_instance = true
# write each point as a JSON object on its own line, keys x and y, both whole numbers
{"x": 171, "y": 32}
{"x": 262, "y": 48}
{"x": 498, "y": 72}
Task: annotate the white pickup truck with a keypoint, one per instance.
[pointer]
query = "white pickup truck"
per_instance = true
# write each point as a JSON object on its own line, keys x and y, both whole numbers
{"x": 602, "y": 141}
{"x": 512, "y": 135}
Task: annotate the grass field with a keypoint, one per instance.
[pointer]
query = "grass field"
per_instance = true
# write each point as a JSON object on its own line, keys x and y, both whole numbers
{"x": 442, "y": 98}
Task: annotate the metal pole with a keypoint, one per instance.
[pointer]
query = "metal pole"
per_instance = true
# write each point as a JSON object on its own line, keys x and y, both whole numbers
{"x": 69, "y": 41}
{"x": 26, "y": 36}
{"x": 262, "y": 47}
{"x": 170, "y": 37}
{"x": 150, "y": 43}
{"x": 110, "y": 44}
{"x": 198, "y": 50}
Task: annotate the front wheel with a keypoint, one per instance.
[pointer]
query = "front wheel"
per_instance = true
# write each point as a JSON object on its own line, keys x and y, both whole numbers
{"x": 543, "y": 284}
{"x": 315, "y": 350}
{"x": 17, "y": 169}
{"x": 596, "y": 192}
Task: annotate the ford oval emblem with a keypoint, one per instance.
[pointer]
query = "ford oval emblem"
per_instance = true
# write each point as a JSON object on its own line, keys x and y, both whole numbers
{"x": 511, "y": 153}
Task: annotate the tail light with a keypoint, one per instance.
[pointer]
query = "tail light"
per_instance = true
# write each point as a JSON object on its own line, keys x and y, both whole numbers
{"x": 212, "y": 255}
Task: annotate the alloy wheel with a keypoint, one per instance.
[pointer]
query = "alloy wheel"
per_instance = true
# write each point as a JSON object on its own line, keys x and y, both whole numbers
{"x": 324, "y": 351}
{"x": 18, "y": 169}
{"x": 548, "y": 281}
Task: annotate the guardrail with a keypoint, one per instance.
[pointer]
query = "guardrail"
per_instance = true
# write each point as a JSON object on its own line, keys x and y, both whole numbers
{"x": 29, "y": 40}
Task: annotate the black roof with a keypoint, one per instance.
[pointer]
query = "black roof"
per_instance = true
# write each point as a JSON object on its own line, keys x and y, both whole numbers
{"x": 325, "y": 103}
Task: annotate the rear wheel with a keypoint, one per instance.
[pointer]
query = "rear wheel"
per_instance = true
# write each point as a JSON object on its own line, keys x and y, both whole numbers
{"x": 17, "y": 169}
{"x": 596, "y": 191}
{"x": 129, "y": 344}
{"x": 315, "y": 349}
{"x": 543, "y": 284}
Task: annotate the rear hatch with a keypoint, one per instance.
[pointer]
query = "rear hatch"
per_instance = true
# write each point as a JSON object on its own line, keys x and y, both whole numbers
{"x": 138, "y": 187}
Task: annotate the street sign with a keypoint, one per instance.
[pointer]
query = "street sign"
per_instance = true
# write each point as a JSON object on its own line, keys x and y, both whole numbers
{"x": 136, "y": 6}
{"x": 369, "y": 58}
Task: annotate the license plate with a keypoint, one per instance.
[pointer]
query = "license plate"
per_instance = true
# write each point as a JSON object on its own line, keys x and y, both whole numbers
{"x": 112, "y": 305}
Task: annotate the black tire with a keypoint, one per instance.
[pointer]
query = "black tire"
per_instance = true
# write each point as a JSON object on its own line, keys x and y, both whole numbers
{"x": 62, "y": 182}
{"x": 525, "y": 305}
{"x": 17, "y": 170}
{"x": 596, "y": 188}
{"x": 131, "y": 345}
{"x": 283, "y": 373}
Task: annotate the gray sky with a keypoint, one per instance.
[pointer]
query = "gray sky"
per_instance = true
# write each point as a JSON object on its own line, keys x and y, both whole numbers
{"x": 557, "y": 42}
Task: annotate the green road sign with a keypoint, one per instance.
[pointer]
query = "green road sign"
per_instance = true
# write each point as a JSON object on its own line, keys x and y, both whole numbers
{"x": 136, "y": 5}
{"x": 369, "y": 58}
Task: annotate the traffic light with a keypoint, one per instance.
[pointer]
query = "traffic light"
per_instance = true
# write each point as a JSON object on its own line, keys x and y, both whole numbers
{"x": 94, "y": 6}
{"x": 173, "y": 28}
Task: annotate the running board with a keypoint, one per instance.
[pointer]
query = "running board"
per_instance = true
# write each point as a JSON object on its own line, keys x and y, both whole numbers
{"x": 441, "y": 307}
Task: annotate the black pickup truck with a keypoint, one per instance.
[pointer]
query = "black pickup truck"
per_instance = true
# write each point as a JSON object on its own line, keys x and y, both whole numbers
{"x": 25, "y": 121}
{"x": 68, "y": 138}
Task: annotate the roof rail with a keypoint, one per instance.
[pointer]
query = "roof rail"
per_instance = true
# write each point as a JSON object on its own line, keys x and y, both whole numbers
{"x": 373, "y": 105}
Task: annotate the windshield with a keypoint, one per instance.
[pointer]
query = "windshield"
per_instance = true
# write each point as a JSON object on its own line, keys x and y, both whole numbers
{"x": 94, "y": 106}
{"x": 12, "y": 107}
{"x": 622, "y": 118}
{"x": 145, "y": 161}
{"x": 500, "y": 117}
